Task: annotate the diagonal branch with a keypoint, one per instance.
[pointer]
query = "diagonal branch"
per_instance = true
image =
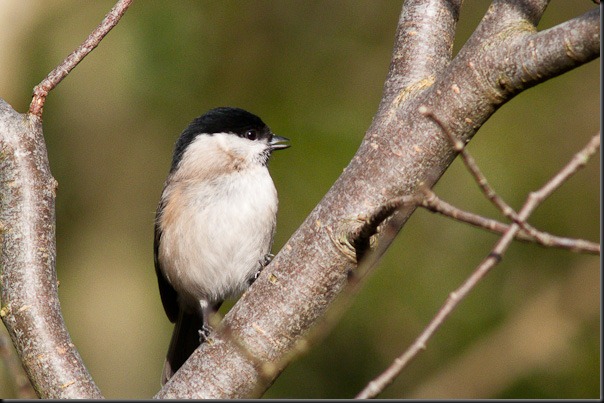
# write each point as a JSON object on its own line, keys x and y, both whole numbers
{"x": 533, "y": 201}
{"x": 507, "y": 55}
{"x": 551, "y": 52}
{"x": 60, "y": 72}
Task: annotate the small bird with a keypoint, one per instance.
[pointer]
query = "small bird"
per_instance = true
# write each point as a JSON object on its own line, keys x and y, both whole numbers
{"x": 215, "y": 221}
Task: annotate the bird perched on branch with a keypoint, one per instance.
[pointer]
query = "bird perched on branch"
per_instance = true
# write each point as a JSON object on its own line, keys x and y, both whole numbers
{"x": 215, "y": 221}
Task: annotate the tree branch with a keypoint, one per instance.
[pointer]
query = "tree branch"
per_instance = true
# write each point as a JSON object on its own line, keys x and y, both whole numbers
{"x": 60, "y": 72}
{"x": 28, "y": 292}
{"x": 436, "y": 205}
{"x": 552, "y": 52}
{"x": 534, "y": 199}
{"x": 423, "y": 46}
{"x": 30, "y": 305}
{"x": 506, "y": 55}
{"x": 401, "y": 152}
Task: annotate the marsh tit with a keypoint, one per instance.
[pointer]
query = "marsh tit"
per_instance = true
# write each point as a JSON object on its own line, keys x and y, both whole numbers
{"x": 215, "y": 221}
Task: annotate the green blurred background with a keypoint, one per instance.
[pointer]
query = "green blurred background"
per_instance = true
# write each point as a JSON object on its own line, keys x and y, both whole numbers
{"x": 314, "y": 72}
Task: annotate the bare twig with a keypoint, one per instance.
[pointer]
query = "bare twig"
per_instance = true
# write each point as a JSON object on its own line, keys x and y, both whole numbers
{"x": 494, "y": 257}
{"x": 435, "y": 204}
{"x": 60, "y": 72}
{"x": 541, "y": 237}
{"x": 579, "y": 161}
{"x": 471, "y": 165}
{"x": 481, "y": 180}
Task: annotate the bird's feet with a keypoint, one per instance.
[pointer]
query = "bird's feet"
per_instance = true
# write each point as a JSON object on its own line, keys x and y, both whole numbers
{"x": 204, "y": 333}
{"x": 266, "y": 260}
{"x": 262, "y": 264}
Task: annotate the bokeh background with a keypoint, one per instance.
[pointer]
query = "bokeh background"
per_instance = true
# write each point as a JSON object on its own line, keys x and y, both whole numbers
{"x": 314, "y": 72}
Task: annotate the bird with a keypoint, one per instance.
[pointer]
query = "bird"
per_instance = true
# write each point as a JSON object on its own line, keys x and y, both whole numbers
{"x": 215, "y": 222}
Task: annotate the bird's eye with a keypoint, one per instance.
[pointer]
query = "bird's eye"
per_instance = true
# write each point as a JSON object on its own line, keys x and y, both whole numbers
{"x": 251, "y": 135}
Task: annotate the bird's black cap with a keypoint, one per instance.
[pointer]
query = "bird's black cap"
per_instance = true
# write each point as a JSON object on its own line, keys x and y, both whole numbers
{"x": 220, "y": 120}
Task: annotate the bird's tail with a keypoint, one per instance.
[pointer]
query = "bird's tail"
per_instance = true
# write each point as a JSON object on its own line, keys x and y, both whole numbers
{"x": 185, "y": 339}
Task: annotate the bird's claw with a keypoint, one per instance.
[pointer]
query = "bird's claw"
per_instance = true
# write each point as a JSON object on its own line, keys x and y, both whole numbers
{"x": 204, "y": 333}
{"x": 262, "y": 264}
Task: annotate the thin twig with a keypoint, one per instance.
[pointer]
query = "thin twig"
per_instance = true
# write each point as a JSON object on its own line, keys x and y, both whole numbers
{"x": 471, "y": 165}
{"x": 494, "y": 257}
{"x": 481, "y": 180}
{"x": 62, "y": 70}
{"x": 579, "y": 161}
{"x": 435, "y": 204}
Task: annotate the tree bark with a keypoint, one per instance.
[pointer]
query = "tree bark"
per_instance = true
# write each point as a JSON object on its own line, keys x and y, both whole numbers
{"x": 29, "y": 295}
{"x": 401, "y": 151}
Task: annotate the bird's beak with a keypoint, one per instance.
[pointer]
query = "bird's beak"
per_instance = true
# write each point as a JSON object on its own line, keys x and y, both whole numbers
{"x": 279, "y": 143}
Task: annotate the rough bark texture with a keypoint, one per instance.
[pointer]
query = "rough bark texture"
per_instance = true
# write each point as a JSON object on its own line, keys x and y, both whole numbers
{"x": 30, "y": 304}
{"x": 401, "y": 151}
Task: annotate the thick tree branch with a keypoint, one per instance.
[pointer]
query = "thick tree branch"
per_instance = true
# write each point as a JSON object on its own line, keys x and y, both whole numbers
{"x": 423, "y": 46}
{"x": 506, "y": 55}
{"x": 29, "y": 296}
{"x": 30, "y": 305}
{"x": 554, "y": 51}
{"x": 513, "y": 13}
{"x": 401, "y": 152}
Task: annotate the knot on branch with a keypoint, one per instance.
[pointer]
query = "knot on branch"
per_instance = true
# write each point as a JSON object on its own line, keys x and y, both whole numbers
{"x": 352, "y": 237}
{"x": 414, "y": 89}
{"x": 357, "y": 234}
